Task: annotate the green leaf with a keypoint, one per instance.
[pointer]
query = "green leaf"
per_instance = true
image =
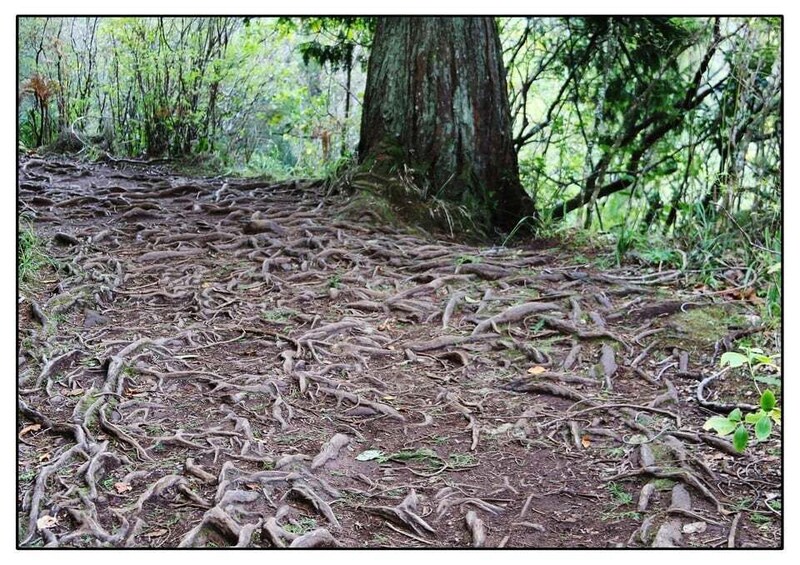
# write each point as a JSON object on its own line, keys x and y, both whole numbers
{"x": 735, "y": 416}
{"x": 767, "y": 400}
{"x": 776, "y": 415}
{"x": 763, "y": 428}
{"x": 775, "y": 267}
{"x": 771, "y": 381}
{"x": 369, "y": 455}
{"x": 754, "y": 417}
{"x": 740, "y": 438}
{"x": 733, "y": 359}
{"x": 721, "y": 425}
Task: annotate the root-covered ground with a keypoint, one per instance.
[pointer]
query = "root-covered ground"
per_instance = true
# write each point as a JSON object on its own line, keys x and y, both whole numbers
{"x": 221, "y": 362}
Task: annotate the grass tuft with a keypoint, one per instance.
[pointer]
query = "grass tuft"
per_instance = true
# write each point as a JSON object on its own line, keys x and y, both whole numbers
{"x": 31, "y": 257}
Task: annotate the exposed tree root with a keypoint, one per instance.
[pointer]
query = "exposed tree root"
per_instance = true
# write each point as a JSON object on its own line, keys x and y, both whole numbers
{"x": 404, "y": 514}
{"x": 219, "y": 362}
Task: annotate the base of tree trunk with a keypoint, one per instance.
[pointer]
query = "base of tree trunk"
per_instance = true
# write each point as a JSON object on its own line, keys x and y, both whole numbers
{"x": 436, "y": 111}
{"x": 394, "y": 199}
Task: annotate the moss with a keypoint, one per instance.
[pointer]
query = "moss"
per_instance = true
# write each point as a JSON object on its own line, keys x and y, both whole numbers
{"x": 662, "y": 454}
{"x": 367, "y": 202}
{"x": 397, "y": 201}
{"x": 400, "y": 191}
{"x": 702, "y": 327}
{"x": 663, "y": 484}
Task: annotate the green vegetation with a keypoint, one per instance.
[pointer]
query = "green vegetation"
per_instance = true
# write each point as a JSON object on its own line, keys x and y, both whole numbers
{"x": 278, "y": 314}
{"x": 301, "y": 526}
{"x": 759, "y": 366}
{"x": 703, "y": 326}
{"x": 31, "y": 257}
{"x": 663, "y": 484}
{"x": 457, "y": 460}
{"x": 619, "y": 498}
{"x": 467, "y": 258}
{"x": 208, "y": 90}
{"x": 618, "y": 494}
{"x": 738, "y": 425}
{"x": 661, "y": 133}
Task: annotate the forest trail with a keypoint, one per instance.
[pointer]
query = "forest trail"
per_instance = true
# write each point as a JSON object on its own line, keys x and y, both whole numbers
{"x": 223, "y": 362}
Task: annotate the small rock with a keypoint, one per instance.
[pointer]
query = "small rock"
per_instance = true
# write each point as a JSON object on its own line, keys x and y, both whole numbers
{"x": 333, "y": 293}
{"x": 92, "y": 318}
{"x": 644, "y": 496}
{"x": 695, "y": 528}
{"x": 646, "y": 456}
{"x": 668, "y": 535}
{"x": 645, "y": 530}
{"x": 681, "y": 500}
{"x": 56, "y": 400}
{"x": 753, "y": 320}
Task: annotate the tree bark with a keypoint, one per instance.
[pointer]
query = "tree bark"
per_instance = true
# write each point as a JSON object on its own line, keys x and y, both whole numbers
{"x": 436, "y": 101}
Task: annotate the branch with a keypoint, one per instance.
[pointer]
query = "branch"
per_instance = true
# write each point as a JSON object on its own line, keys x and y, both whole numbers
{"x": 690, "y": 101}
{"x": 525, "y": 136}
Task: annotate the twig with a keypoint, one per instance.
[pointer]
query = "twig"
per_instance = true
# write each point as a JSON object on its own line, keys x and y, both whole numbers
{"x": 408, "y": 535}
{"x": 732, "y": 534}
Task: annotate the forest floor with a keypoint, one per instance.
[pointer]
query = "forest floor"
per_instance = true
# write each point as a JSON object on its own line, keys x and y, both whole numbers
{"x": 220, "y": 362}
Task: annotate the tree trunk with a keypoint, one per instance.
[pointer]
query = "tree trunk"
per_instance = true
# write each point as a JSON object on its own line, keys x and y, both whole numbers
{"x": 436, "y": 101}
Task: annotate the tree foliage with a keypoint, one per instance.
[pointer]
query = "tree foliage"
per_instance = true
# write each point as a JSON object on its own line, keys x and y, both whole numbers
{"x": 635, "y": 126}
{"x": 234, "y": 89}
{"x": 668, "y": 111}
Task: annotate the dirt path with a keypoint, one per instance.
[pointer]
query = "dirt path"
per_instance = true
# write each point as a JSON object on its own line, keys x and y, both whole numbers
{"x": 225, "y": 362}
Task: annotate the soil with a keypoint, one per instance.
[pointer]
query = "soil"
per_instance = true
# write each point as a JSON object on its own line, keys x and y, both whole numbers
{"x": 227, "y": 362}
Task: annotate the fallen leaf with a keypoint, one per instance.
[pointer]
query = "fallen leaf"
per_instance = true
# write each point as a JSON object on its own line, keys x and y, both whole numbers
{"x": 694, "y": 528}
{"x": 122, "y": 487}
{"x": 388, "y": 397}
{"x": 157, "y": 533}
{"x": 46, "y": 522}
{"x": 369, "y": 455}
{"x": 586, "y": 441}
{"x": 31, "y": 428}
{"x": 75, "y": 392}
{"x": 536, "y": 369}
{"x": 44, "y": 457}
{"x": 253, "y": 486}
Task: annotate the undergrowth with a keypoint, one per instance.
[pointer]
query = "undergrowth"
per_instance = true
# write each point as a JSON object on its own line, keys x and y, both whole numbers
{"x": 31, "y": 257}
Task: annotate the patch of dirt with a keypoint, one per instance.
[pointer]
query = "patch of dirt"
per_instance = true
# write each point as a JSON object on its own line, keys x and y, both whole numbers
{"x": 228, "y": 362}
